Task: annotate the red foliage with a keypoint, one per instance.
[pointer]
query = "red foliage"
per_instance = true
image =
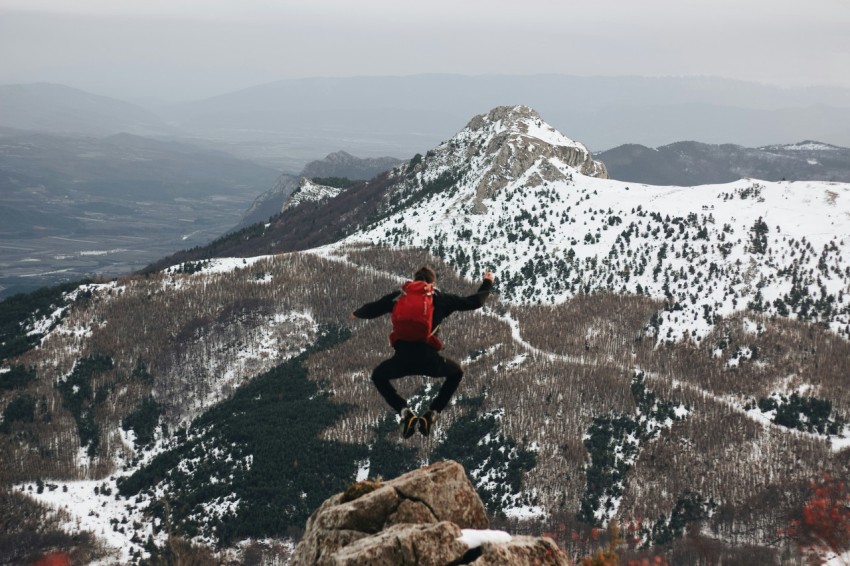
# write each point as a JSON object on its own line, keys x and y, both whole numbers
{"x": 633, "y": 536}
{"x": 825, "y": 521}
{"x": 53, "y": 559}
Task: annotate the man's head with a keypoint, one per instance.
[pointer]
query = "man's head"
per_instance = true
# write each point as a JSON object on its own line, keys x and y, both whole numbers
{"x": 425, "y": 274}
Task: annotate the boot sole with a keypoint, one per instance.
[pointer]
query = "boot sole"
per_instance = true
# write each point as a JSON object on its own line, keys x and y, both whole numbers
{"x": 424, "y": 427}
{"x": 409, "y": 428}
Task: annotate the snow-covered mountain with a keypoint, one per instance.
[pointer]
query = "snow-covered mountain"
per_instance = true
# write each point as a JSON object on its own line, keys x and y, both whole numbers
{"x": 511, "y": 195}
{"x": 661, "y": 355}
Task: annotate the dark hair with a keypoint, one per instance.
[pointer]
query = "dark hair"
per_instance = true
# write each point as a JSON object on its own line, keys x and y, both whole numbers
{"x": 425, "y": 274}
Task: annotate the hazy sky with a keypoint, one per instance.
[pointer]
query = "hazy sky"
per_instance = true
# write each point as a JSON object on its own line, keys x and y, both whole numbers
{"x": 184, "y": 49}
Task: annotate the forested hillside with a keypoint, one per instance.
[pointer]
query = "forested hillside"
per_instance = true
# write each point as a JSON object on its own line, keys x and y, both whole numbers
{"x": 578, "y": 414}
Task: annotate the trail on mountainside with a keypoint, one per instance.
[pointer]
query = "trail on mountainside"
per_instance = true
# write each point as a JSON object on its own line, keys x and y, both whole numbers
{"x": 332, "y": 253}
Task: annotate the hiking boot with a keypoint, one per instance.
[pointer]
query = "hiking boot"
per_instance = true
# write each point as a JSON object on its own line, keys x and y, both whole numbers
{"x": 426, "y": 421}
{"x": 408, "y": 422}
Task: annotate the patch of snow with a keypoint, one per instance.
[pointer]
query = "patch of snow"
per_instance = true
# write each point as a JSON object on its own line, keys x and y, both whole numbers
{"x": 43, "y": 325}
{"x": 473, "y": 538}
{"x": 94, "y": 505}
{"x": 841, "y": 441}
{"x": 103, "y": 252}
{"x": 742, "y": 354}
{"x": 220, "y": 265}
{"x": 525, "y": 512}
{"x": 752, "y": 327}
{"x": 809, "y": 146}
{"x": 549, "y": 135}
{"x": 681, "y": 411}
{"x": 266, "y": 278}
{"x": 363, "y": 467}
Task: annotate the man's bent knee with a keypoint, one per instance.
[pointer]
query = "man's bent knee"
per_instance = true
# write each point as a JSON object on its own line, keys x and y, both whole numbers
{"x": 455, "y": 376}
{"x": 379, "y": 377}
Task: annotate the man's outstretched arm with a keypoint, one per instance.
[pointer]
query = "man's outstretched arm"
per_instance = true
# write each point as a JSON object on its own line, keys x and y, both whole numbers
{"x": 382, "y": 306}
{"x": 474, "y": 301}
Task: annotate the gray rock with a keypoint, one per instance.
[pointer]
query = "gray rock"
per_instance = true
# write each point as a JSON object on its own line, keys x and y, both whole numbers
{"x": 416, "y": 519}
{"x": 432, "y": 544}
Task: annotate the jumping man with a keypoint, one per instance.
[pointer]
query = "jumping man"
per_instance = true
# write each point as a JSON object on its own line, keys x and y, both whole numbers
{"x": 418, "y": 309}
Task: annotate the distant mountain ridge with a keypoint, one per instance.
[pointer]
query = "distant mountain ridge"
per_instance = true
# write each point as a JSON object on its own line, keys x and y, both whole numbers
{"x": 601, "y": 111}
{"x": 343, "y": 164}
{"x": 694, "y": 163}
{"x": 53, "y": 108}
{"x": 289, "y": 122}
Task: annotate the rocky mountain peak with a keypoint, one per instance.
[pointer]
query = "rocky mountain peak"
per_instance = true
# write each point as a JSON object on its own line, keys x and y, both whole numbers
{"x": 507, "y": 146}
{"x": 432, "y": 515}
{"x": 520, "y": 132}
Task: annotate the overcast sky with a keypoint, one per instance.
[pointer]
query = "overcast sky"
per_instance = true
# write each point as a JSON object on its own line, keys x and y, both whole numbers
{"x": 186, "y": 49}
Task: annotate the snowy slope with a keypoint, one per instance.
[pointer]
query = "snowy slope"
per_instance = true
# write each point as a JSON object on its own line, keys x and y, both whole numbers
{"x": 518, "y": 198}
{"x": 220, "y": 361}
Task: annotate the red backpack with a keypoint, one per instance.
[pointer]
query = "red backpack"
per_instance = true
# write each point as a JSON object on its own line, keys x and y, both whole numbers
{"x": 413, "y": 315}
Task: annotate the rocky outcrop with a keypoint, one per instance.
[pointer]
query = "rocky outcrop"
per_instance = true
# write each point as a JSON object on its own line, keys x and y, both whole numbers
{"x": 521, "y": 132}
{"x": 517, "y": 143}
{"x": 308, "y": 191}
{"x": 338, "y": 164}
{"x": 431, "y": 516}
{"x": 270, "y": 202}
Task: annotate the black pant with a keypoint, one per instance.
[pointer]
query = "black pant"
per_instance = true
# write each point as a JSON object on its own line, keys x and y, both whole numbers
{"x": 417, "y": 358}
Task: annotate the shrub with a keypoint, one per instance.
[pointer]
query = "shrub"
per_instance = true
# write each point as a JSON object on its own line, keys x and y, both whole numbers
{"x": 824, "y": 522}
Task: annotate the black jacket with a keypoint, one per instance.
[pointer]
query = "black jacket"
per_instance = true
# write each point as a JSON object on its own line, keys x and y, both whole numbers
{"x": 444, "y": 304}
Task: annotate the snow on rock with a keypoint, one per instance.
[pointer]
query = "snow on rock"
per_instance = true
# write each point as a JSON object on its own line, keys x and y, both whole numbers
{"x": 308, "y": 191}
{"x": 473, "y": 538}
{"x": 430, "y": 515}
